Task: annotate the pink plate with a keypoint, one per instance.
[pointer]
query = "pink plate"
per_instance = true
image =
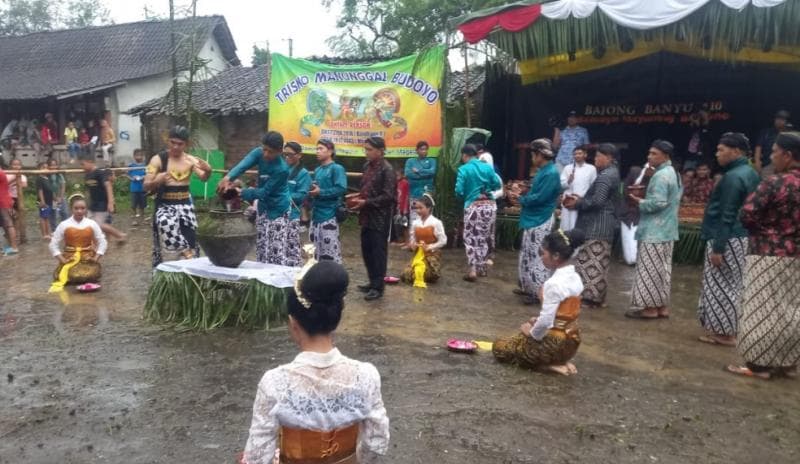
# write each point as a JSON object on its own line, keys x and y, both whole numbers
{"x": 86, "y": 288}
{"x": 461, "y": 346}
{"x": 391, "y": 280}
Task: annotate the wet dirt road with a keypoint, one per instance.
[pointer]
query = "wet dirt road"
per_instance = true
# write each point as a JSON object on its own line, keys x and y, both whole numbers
{"x": 87, "y": 381}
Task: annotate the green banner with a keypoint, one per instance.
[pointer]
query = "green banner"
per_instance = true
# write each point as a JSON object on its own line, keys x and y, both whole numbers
{"x": 399, "y": 100}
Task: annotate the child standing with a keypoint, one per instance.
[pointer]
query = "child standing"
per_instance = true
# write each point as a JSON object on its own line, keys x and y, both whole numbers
{"x": 44, "y": 192}
{"x": 16, "y": 185}
{"x": 84, "y": 141}
{"x": 136, "y": 173}
{"x": 59, "y": 184}
{"x": 71, "y": 140}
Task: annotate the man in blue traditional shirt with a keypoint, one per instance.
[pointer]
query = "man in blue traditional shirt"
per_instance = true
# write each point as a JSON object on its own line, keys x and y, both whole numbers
{"x": 572, "y": 137}
{"x": 272, "y": 193}
{"x": 299, "y": 185}
{"x": 475, "y": 183}
{"x": 420, "y": 172}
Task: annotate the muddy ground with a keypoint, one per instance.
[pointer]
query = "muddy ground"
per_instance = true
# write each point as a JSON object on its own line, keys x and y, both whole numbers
{"x": 88, "y": 381}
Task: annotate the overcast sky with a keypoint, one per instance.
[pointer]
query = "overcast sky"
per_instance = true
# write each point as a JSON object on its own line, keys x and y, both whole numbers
{"x": 252, "y": 22}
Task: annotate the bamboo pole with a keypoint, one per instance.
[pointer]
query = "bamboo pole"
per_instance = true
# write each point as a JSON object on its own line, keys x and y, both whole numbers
{"x": 78, "y": 171}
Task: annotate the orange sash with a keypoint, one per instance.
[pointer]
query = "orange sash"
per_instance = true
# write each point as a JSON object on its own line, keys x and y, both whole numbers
{"x": 312, "y": 447}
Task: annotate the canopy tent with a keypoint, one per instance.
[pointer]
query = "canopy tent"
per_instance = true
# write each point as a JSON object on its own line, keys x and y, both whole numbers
{"x": 556, "y": 38}
{"x": 636, "y": 70}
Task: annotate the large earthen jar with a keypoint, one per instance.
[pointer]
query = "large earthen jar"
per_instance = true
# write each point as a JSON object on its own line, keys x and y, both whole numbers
{"x": 226, "y": 237}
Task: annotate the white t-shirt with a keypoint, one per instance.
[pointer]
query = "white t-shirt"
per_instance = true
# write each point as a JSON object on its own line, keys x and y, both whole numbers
{"x": 583, "y": 179}
{"x": 487, "y": 158}
{"x": 12, "y": 188}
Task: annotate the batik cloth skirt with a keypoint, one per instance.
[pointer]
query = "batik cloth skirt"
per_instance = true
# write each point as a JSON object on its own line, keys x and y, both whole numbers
{"x": 721, "y": 293}
{"x": 325, "y": 237}
{"x": 174, "y": 229}
{"x": 557, "y": 347}
{"x": 433, "y": 269}
{"x": 294, "y": 255}
{"x": 593, "y": 261}
{"x": 479, "y": 219}
{"x": 272, "y": 238}
{"x": 653, "y": 275}
{"x": 530, "y": 268}
{"x": 769, "y": 320}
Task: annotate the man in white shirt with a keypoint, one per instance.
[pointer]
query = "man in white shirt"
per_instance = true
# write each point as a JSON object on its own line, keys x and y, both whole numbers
{"x": 576, "y": 179}
{"x": 484, "y": 155}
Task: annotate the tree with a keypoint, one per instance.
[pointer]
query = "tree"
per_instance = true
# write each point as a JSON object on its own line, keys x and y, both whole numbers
{"x": 25, "y": 16}
{"x": 379, "y": 28}
{"x": 260, "y": 55}
{"x": 85, "y": 13}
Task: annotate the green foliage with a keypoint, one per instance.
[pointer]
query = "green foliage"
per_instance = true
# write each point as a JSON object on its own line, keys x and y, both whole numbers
{"x": 380, "y": 28}
{"x": 19, "y": 17}
{"x": 260, "y": 55}
{"x": 196, "y": 303}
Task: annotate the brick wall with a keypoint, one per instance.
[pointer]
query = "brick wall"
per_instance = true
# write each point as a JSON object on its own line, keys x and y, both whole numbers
{"x": 239, "y": 135}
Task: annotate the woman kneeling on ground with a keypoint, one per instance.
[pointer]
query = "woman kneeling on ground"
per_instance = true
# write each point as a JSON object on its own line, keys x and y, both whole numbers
{"x": 428, "y": 233}
{"x": 322, "y": 407}
{"x": 84, "y": 245}
{"x": 550, "y": 340}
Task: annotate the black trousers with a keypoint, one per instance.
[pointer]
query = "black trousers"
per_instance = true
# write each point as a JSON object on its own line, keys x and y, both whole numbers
{"x": 374, "y": 249}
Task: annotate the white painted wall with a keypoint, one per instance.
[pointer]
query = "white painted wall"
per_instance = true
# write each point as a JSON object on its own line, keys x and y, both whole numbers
{"x": 138, "y": 91}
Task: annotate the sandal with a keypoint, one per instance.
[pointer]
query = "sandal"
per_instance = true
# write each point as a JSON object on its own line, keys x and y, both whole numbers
{"x": 746, "y": 372}
{"x": 712, "y": 340}
{"x": 639, "y": 314}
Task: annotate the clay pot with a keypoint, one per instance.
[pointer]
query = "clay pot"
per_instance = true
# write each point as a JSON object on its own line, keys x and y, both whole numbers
{"x": 349, "y": 200}
{"x": 226, "y": 237}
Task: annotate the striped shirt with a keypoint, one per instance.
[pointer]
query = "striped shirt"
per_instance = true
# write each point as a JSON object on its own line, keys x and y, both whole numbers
{"x": 598, "y": 209}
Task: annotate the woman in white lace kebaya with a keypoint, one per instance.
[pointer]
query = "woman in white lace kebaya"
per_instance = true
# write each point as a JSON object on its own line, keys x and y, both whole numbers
{"x": 323, "y": 407}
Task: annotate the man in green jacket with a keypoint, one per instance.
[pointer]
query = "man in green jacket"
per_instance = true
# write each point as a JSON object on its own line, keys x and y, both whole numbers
{"x": 726, "y": 242}
{"x": 656, "y": 234}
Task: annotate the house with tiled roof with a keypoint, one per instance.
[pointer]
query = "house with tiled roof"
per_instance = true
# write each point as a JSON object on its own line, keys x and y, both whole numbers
{"x": 102, "y": 72}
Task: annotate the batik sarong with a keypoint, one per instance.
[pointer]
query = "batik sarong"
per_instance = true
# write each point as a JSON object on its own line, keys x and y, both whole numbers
{"x": 769, "y": 319}
{"x": 558, "y": 346}
{"x": 433, "y": 269}
{"x": 271, "y": 238}
{"x": 531, "y": 270}
{"x": 479, "y": 218}
{"x": 294, "y": 255}
{"x": 653, "y": 275}
{"x": 325, "y": 237}
{"x": 174, "y": 229}
{"x": 593, "y": 261}
{"x": 722, "y": 289}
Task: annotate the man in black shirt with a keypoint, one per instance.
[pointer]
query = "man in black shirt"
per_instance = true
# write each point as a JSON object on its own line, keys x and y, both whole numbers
{"x": 101, "y": 197}
{"x": 764, "y": 144}
{"x": 375, "y": 208}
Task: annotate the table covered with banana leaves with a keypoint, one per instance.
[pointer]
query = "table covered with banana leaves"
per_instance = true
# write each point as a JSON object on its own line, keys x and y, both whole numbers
{"x": 195, "y": 294}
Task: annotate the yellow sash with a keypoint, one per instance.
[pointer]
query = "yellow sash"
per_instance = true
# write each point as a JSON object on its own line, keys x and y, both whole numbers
{"x": 63, "y": 274}
{"x": 419, "y": 266}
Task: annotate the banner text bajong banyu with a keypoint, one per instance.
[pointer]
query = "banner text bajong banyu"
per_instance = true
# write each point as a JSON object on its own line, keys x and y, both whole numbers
{"x": 409, "y": 81}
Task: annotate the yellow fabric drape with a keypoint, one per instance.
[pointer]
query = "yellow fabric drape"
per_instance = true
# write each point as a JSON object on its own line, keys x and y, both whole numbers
{"x": 551, "y": 67}
{"x": 63, "y": 275}
{"x": 419, "y": 266}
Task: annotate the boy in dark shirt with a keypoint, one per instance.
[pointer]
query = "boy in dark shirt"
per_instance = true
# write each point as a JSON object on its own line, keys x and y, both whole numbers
{"x": 44, "y": 192}
{"x": 101, "y": 197}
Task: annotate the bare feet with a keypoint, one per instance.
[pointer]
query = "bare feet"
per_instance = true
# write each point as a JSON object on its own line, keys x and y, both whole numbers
{"x": 742, "y": 370}
{"x": 646, "y": 313}
{"x": 714, "y": 339}
{"x": 563, "y": 369}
